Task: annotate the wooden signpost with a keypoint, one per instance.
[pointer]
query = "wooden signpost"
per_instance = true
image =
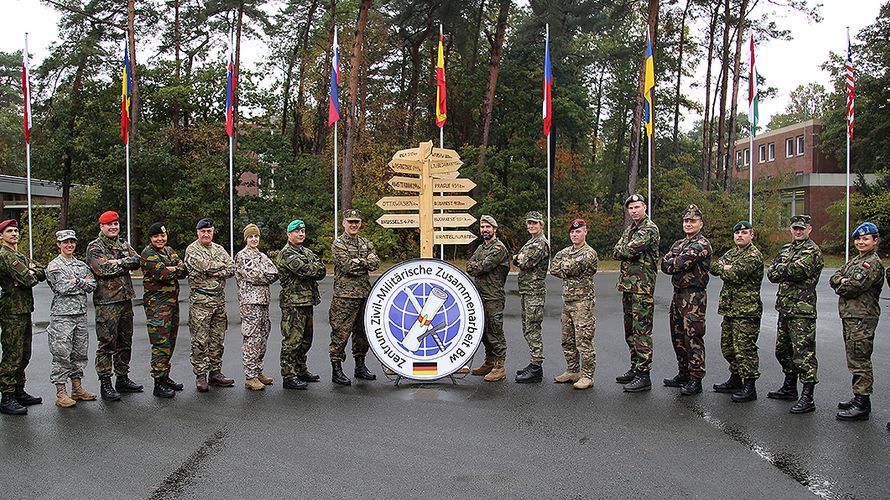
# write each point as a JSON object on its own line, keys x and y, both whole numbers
{"x": 430, "y": 172}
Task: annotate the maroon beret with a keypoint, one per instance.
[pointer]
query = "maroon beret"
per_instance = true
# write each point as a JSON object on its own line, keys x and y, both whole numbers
{"x": 575, "y": 224}
{"x": 8, "y": 223}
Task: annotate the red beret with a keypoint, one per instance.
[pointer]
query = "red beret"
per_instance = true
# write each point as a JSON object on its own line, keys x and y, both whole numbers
{"x": 108, "y": 217}
{"x": 575, "y": 224}
{"x": 8, "y": 223}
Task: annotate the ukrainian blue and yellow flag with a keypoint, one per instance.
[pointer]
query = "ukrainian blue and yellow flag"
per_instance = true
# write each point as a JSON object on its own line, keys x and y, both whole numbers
{"x": 126, "y": 91}
{"x": 649, "y": 87}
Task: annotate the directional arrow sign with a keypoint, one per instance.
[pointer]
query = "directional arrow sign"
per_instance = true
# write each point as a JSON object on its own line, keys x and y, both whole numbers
{"x": 399, "y": 220}
{"x": 440, "y": 154}
{"x": 412, "y": 184}
{"x": 445, "y": 166}
{"x": 402, "y": 166}
{"x": 452, "y": 185}
{"x": 452, "y": 202}
{"x": 453, "y": 237}
{"x": 453, "y": 220}
{"x": 407, "y": 154}
{"x": 400, "y": 202}
{"x": 446, "y": 175}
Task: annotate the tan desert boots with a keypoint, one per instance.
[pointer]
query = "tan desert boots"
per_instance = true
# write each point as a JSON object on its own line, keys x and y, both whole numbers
{"x": 254, "y": 384}
{"x": 583, "y": 383}
{"x": 567, "y": 377}
{"x": 62, "y": 398}
{"x": 497, "y": 373}
{"x": 485, "y": 367}
{"x": 265, "y": 379}
{"x": 78, "y": 393}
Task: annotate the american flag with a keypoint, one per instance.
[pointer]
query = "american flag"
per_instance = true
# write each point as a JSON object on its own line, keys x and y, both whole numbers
{"x": 850, "y": 89}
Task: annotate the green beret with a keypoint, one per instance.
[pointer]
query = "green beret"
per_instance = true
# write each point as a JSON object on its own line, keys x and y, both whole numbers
{"x": 742, "y": 224}
{"x": 296, "y": 224}
{"x": 636, "y": 197}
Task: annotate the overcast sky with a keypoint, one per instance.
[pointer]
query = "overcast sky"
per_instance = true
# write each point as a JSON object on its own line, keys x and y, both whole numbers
{"x": 784, "y": 65}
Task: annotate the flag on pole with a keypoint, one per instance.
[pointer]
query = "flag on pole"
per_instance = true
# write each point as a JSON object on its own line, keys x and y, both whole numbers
{"x": 334, "y": 104}
{"x": 548, "y": 86}
{"x": 26, "y": 90}
{"x": 441, "y": 107}
{"x": 126, "y": 91}
{"x": 753, "y": 96}
{"x": 231, "y": 83}
{"x": 649, "y": 87}
{"x": 850, "y": 88}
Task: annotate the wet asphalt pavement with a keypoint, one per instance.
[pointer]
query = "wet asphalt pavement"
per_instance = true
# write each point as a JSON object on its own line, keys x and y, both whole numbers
{"x": 470, "y": 440}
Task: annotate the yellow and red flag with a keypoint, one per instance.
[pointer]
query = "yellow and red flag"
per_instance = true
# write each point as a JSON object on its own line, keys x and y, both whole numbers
{"x": 441, "y": 108}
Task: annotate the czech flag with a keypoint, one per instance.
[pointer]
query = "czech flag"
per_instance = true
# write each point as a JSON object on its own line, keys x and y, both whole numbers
{"x": 126, "y": 91}
{"x": 649, "y": 87}
{"x": 441, "y": 107}
{"x": 334, "y": 104}
{"x": 26, "y": 90}
{"x": 231, "y": 82}
{"x": 548, "y": 86}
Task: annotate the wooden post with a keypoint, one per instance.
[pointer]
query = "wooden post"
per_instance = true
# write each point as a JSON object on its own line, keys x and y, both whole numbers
{"x": 426, "y": 210}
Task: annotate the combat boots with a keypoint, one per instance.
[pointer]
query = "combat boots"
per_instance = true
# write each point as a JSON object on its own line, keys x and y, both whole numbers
{"x": 527, "y": 368}
{"x": 254, "y": 384}
{"x": 485, "y": 367}
{"x": 627, "y": 377}
{"x": 806, "y": 403}
{"x": 533, "y": 374}
{"x": 162, "y": 390}
{"x": 498, "y": 372}
{"x": 107, "y": 390}
{"x": 691, "y": 387}
{"x": 171, "y": 384}
{"x": 24, "y": 398}
{"x": 748, "y": 392}
{"x": 678, "y": 380}
{"x": 267, "y": 380}
{"x": 219, "y": 380}
{"x": 361, "y": 370}
{"x": 78, "y": 393}
{"x": 860, "y": 407}
{"x": 295, "y": 383}
{"x": 788, "y": 391}
{"x": 566, "y": 377}
{"x": 124, "y": 384}
{"x": 201, "y": 383}
{"x": 337, "y": 375}
{"x": 584, "y": 382}
{"x": 62, "y": 398}
{"x": 730, "y": 386}
{"x": 640, "y": 383}
{"x": 10, "y": 406}
{"x": 308, "y": 376}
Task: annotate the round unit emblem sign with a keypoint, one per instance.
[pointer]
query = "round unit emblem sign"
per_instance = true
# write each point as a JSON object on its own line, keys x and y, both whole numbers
{"x": 424, "y": 319}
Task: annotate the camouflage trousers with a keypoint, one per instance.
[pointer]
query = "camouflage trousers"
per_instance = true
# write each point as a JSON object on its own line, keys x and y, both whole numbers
{"x": 207, "y": 324}
{"x": 255, "y": 326}
{"x": 162, "y": 323}
{"x": 687, "y": 317}
{"x": 638, "y": 312}
{"x": 532, "y": 317}
{"x": 345, "y": 317}
{"x": 578, "y": 329}
{"x": 296, "y": 330}
{"x": 68, "y": 343}
{"x": 859, "y": 336}
{"x": 114, "y": 334}
{"x": 15, "y": 341}
{"x": 738, "y": 343}
{"x": 796, "y": 347}
{"x": 493, "y": 336}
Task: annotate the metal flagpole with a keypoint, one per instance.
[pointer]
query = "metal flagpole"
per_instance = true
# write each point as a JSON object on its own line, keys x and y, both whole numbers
{"x": 129, "y": 225}
{"x": 548, "y": 187}
{"x": 30, "y": 224}
{"x": 336, "y": 193}
{"x": 231, "y": 197}
{"x": 649, "y": 177}
{"x": 847, "y": 227}
{"x": 750, "y": 178}
{"x": 441, "y": 211}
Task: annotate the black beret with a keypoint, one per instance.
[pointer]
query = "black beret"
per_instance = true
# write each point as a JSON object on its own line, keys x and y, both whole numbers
{"x": 156, "y": 228}
{"x": 204, "y": 223}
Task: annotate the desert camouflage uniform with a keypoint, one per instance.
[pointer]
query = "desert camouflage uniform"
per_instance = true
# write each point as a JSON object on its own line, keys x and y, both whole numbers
{"x": 489, "y": 266}
{"x": 208, "y": 267}
{"x": 533, "y": 260}
{"x": 160, "y": 299}
{"x": 70, "y": 281}
{"x": 16, "y": 305}
{"x": 299, "y": 269}
{"x": 576, "y": 267}
{"x": 354, "y": 257}
{"x": 254, "y": 272}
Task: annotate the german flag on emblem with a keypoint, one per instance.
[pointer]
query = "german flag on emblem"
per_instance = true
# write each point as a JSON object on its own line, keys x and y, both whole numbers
{"x": 425, "y": 368}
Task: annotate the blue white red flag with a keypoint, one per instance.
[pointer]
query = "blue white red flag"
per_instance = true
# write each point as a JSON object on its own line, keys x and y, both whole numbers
{"x": 231, "y": 83}
{"x": 548, "y": 86}
{"x": 334, "y": 104}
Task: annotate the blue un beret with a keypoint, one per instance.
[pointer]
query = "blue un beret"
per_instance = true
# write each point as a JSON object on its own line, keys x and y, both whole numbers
{"x": 865, "y": 229}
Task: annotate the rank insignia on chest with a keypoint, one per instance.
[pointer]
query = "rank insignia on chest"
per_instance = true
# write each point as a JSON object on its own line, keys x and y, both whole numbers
{"x": 866, "y": 265}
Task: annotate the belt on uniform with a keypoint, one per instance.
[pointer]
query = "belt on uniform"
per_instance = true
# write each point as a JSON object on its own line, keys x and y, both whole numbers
{"x": 209, "y": 293}
{"x": 689, "y": 289}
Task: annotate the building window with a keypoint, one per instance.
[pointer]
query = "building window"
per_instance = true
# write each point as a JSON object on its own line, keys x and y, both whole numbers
{"x": 771, "y": 151}
{"x": 789, "y": 147}
{"x": 739, "y": 158}
{"x": 761, "y": 153}
{"x": 793, "y": 203}
{"x": 800, "y": 145}
{"x": 747, "y": 157}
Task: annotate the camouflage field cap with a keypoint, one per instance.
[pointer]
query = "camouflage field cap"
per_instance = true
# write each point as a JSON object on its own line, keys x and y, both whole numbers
{"x": 66, "y": 234}
{"x": 634, "y": 198}
{"x": 296, "y": 224}
{"x": 534, "y": 216}
{"x": 800, "y": 221}
{"x": 488, "y": 220}
{"x": 865, "y": 229}
{"x": 352, "y": 214}
{"x": 692, "y": 212}
{"x": 742, "y": 224}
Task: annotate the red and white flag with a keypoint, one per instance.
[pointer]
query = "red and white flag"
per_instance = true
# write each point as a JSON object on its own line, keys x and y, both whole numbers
{"x": 850, "y": 88}
{"x": 26, "y": 90}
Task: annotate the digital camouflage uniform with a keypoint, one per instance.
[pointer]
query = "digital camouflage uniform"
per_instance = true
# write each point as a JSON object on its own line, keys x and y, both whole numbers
{"x": 354, "y": 257}
{"x": 741, "y": 308}
{"x": 796, "y": 270}
{"x": 70, "y": 281}
{"x": 576, "y": 267}
{"x": 254, "y": 272}
{"x": 858, "y": 285}
{"x": 160, "y": 299}
{"x": 687, "y": 262}
{"x": 489, "y": 266}
{"x": 111, "y": 262}
{"x": 533, "y": 261}
{"x": 299, "y": 269}
{"x": 208, "y": 268}
{"x": 16, "y": 305}
{"x": 638, "y": 252}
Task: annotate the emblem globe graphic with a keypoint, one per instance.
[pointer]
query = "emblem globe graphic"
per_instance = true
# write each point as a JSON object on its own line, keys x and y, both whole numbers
{"x": 404, "y": 312}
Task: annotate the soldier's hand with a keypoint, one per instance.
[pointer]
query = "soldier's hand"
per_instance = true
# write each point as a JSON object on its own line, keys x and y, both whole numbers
{"x": 72, "y": 279}
{"x": 727, "y": 267}
{"x": 172, "y": 269}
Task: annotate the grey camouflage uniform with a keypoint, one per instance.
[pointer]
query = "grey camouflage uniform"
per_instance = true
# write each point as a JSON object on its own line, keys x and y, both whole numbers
{"x": 71, "y": 281}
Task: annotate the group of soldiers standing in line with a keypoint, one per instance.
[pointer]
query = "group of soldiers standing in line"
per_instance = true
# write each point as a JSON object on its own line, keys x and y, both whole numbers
{"x": 690, "y": 262}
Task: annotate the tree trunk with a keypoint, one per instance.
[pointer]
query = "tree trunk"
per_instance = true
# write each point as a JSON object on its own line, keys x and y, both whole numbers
{"x": 474, "y": 57}
{"x": 299, "y": 133}
{"x": 706, "y": 119}
{"x": 494, "y": 68}
{"x": 720, "y": 166}
{"x": 177, "y": 40}
{"x": 676, "y": 130}
{"x": 599, "y": 111}
{"x": 730, "y": 143}
{"x": 633, "y": 164}
{"x": 68, "y": 160}
{"x": 410, "y": 109}
{"x": 321, "y": 124}
{"x": 354, "y": 70}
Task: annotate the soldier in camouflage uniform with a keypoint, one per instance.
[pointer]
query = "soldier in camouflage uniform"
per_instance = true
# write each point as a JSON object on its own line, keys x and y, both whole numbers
{"x": 741, "y": 269}
{"x": 209, "y": 265}
{"x": 70, "y": 280}
{"x": 111, "y": 259}
{"x": 254, "y": 272}
{"x": 161, "y": 271}
{"x": 796, "y": 270}
{"x": 858, "y": 285}
{"x": 489, "y": 266}
{"x": 687, "y": 262}
{"x": 576, "y": 266}
{"x": 354, "y": 257}
{"x": 18, "y": 274}
{"x": 300, "y": 269}
{"x": 533, "y": 260}
{"x": 638, "y": 252}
